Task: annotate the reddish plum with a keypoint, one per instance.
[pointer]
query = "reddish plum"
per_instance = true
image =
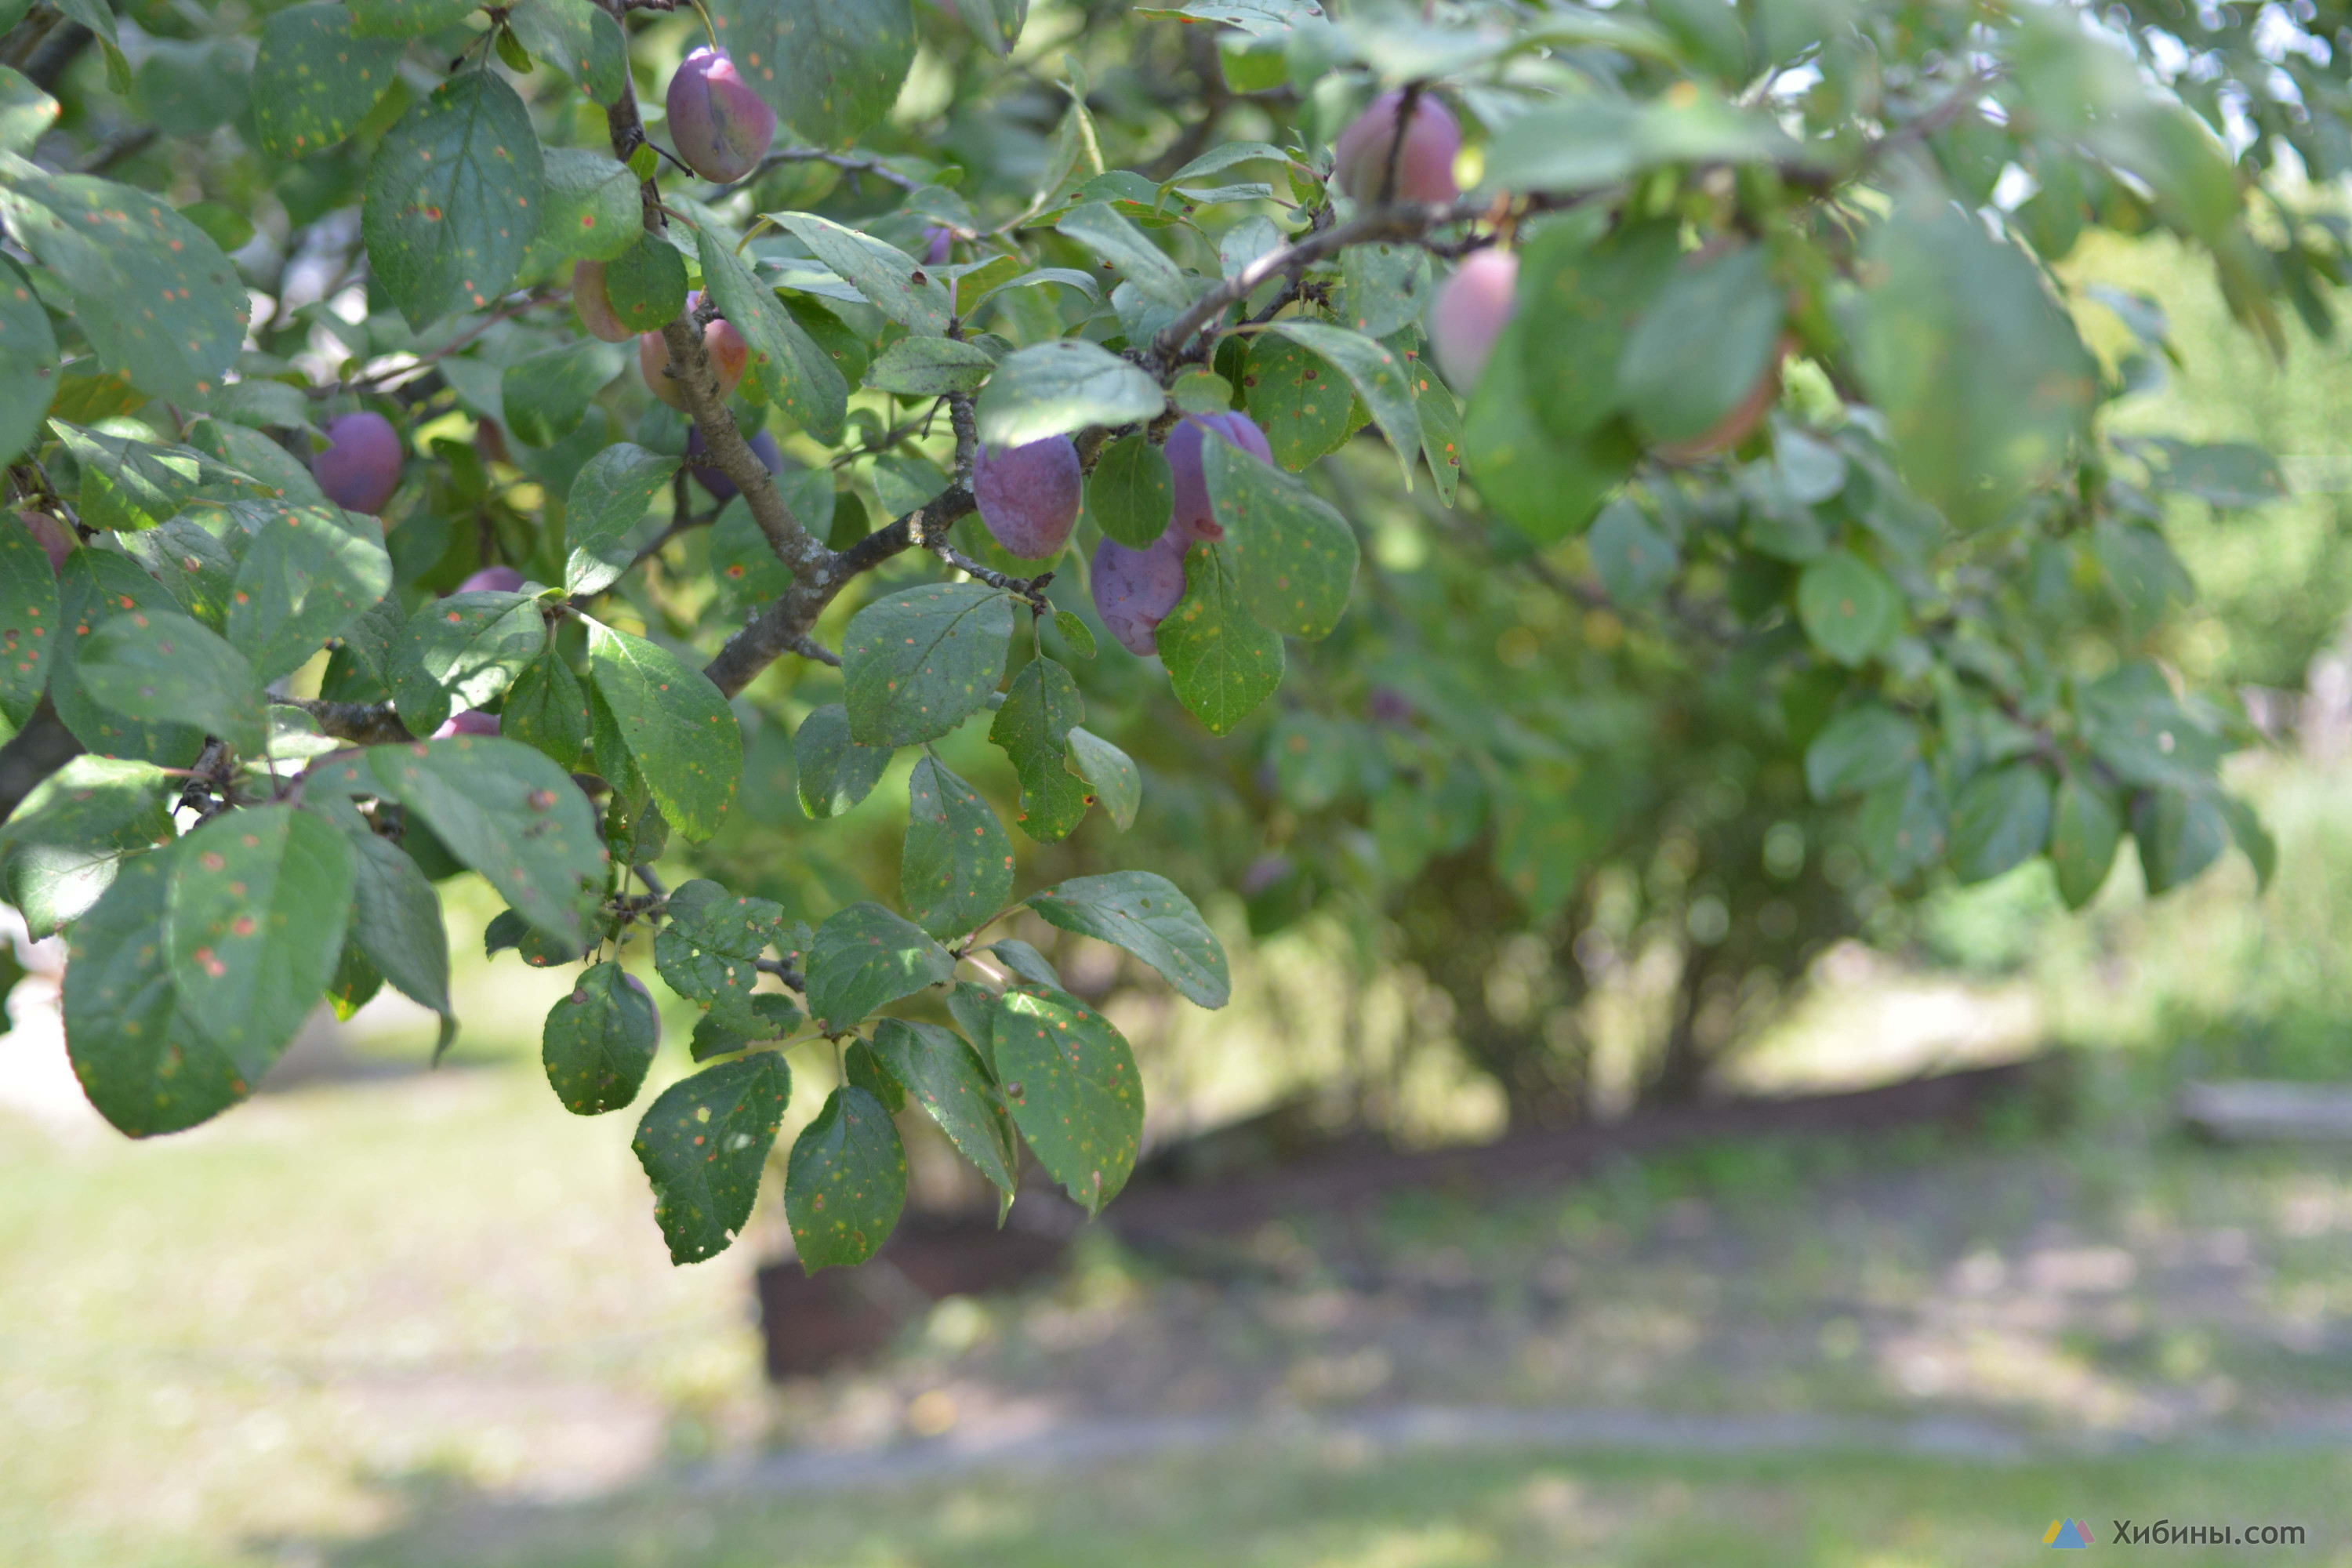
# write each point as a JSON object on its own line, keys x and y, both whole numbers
{"x": 467, "y": 723}
{"x": 1424, "y": 168}
{"x": 1470, "y": 311}
{"x": 728, "y": 351}
{"x": 721, "y": 127}
{"x": 1029, "y": 496}
{"x": 54, "y": 537}
{"x": 360, "y": 466}
{"x": 593, "y": 305}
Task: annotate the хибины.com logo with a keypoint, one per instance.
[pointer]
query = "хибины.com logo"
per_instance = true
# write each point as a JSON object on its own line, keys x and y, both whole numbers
{"x": 2066, "y": 1536}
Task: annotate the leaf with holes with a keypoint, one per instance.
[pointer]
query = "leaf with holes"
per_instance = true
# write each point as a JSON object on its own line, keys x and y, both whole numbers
{"x": 306, "y": 575}
{"x": 453, "y": 198}
{"x": 1295, "y": 399}
{"x": 703, "y": 1144}
{"x": 846, "y": 1183}
{"x": 864, "y": 957}
{"x": 1377, "y": 372}
{"x": 1221, "y": 663}
{"x": 599, "y": 1040}
{"x": 708, "y": 950}
{"x": 1032, "y": 729}
{"x": 259, "y": 901}
{"x": 676, "y": 725}
{"x": 949, "y": 1080}
{"x": 1150, "y": 917}
{"x": 1070, "y": 1082}
{"x": 509, "y": 813}
{"x": 921, "y": 661}
{"x": 957, "y": 867}
{"x": 141, "y": 1058}
{"x": 314, "y": 81}
{"x": 897, "y": 285}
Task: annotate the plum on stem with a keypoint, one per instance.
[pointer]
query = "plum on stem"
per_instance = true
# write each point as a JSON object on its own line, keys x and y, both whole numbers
{"x": 593, "y": 305}
{"x": 1424, "y": 166}
{"x": 492, "y": 580}
{"x": 360, "y": 466}
{"x": 728, "y": 351}
{"x": 1135, "y": 589}
{"x": 1029, "y": 495}
{"x": 721, "y": 127}
{"x": 1192, "y": 516}
{"x": 1470, "y": 311}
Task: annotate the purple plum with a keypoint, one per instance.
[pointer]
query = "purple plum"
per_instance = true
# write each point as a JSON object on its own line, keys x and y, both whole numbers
{"x": 1192, "y": 517}
{"x": 1135, "y": 589}
{"x": 937, "y": 246}
{"x": 470, "y": 722}
{"x": 1424, "y": 169}
{"x": 492, "y": 580}
{"x": 1470, "y": 311}
{"x": 721, "y": 127}
{"x": 360, "y": 466}
{"x": 1029, "y": 495}
{"x": 54, "y": 537}
{"x": 712, "y": 478}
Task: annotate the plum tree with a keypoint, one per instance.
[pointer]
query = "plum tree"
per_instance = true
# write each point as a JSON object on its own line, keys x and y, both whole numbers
{"x": 358, "y": 468}
{"x": 1029, "y": 496}
{"x": 722, "y": 346}
{"x": 720, "y": 126}
{"x": 1192, "y": 517}
{"x": 1360, "y": 158}
{"x": 708, "y": 474}
{"x": 1134, "y": 590}
{"x": 1469, "y": 312}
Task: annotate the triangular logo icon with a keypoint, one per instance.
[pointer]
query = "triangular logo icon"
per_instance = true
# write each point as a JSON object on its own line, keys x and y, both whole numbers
{"x": 2066, "y": 1536}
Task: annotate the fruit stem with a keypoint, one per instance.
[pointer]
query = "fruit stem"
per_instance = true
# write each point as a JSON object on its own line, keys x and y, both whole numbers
{"x": 707, "y": 27}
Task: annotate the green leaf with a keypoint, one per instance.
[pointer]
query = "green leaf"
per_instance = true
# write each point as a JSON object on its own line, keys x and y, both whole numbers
{"x": 1377, "y": 374}
{"x": 1027, "y": 963}
{"x": 114, "y": 249}
{"x": 646, "y": 284}
{"x": 1981, "y": 377}
{"x": 94, "y": 587}
{"x": 864, "y": 957}
{"x": 785, "y": 363}
{"x": 930, "y": 367}
{"x": 127, "y": 483}
{"x": 1132, "y": 492}
{"x": 461, "y": 652}
{"x": 957, "y": 868}
{"x": 29, "y": 361}
{"x": 407, "y": 18}
{"x": 1631, "y": 558}
{"x": 65, "y": 841}
{"x": 197, "y": 566}
{"x": 396, "y": 921}
{"x": 1710, "y": 334}
{"x": 1579, "y": 300}
{"x": 259, "y": 901}
{"x": 1294, "y": 397}
{"x": 829, "y": 67}
{"x": 2001, "y": 819}
{"x": 973, "y": 1008}
{"x": 1111, "y": 772}
{"x": 1848, "y": 607}
{"x": 919, "y": 663}
{"x": 1858, "y": 751}
{"x": 607, "y": 502}
{"x": 598, "y": 1041}
{"x": 1055, "y": 388}
{"x": 1295, "y": 556}
{"x": 1221, "y": 663}
{"x": 708, "y": 950}
{"x": 1074, "y": 631}
{"x": 773, "y": 1016}
{"x": 1032, "y": 729}
{"x": 314, "y": 81}
{"x": 2179, "y": 836}
{"x": 453, "y": 197}
{"x": 1546, "y": 486}
{"x": 897, "y": 285}
{"x": 578, "y": 39}
{"x": 306, "y": 575}
{"x": 141, "y": 1058}
{"x": 1385, "y": 287}
{"x": 846, "y": 1183}
{"x": 30, "y": 625}
{"x": 2139, "y": 729}
{"x": 676, "y": 724}
{"x": 1594, "y": 139}
{"x": 1440, "y": 430}
{"x": 1099, "y": 227}
{"x": 835, "y": 771}
{"x": 1903, "y": 824}
{"x": 1070, "y": 1082}
{"x": 26, "y": 112}
{"x": 1150, "y": 917}
{"x": 2085, "y": 830}
{"x": 703, "y": 1144}
{"x": 157, "y": 667}
{"x": 949, "y": 1080}
{"x": 546, "y": 709}
{"x": 546, "y": 394}
{"x": 509, "y": 814}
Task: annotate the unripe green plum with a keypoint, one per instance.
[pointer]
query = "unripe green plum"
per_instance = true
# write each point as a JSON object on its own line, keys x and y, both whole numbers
{"x": 728, "y": 351}
{"x": 1192, "y": 517}
{"x": 360, "y": 466}
{"x": 1029, "y": 496}
{"x": 594, "y": 306}
{"x": 1424, "y": 169}
{"x": 721, "y": 127}
{"x": 1135, "y": 589}
{"x": 1470, "y": 311}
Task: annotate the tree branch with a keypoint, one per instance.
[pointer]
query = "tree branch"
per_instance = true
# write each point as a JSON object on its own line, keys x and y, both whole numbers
{"x": 849, "y": 163}
{"x": 363, "y": 723}
{"x": 39, "y": 749}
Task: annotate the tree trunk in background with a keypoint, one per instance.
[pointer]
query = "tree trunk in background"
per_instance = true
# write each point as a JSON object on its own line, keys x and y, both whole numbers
{"x": 42, "y": 747}
{"x": 1683, "y": 1066}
